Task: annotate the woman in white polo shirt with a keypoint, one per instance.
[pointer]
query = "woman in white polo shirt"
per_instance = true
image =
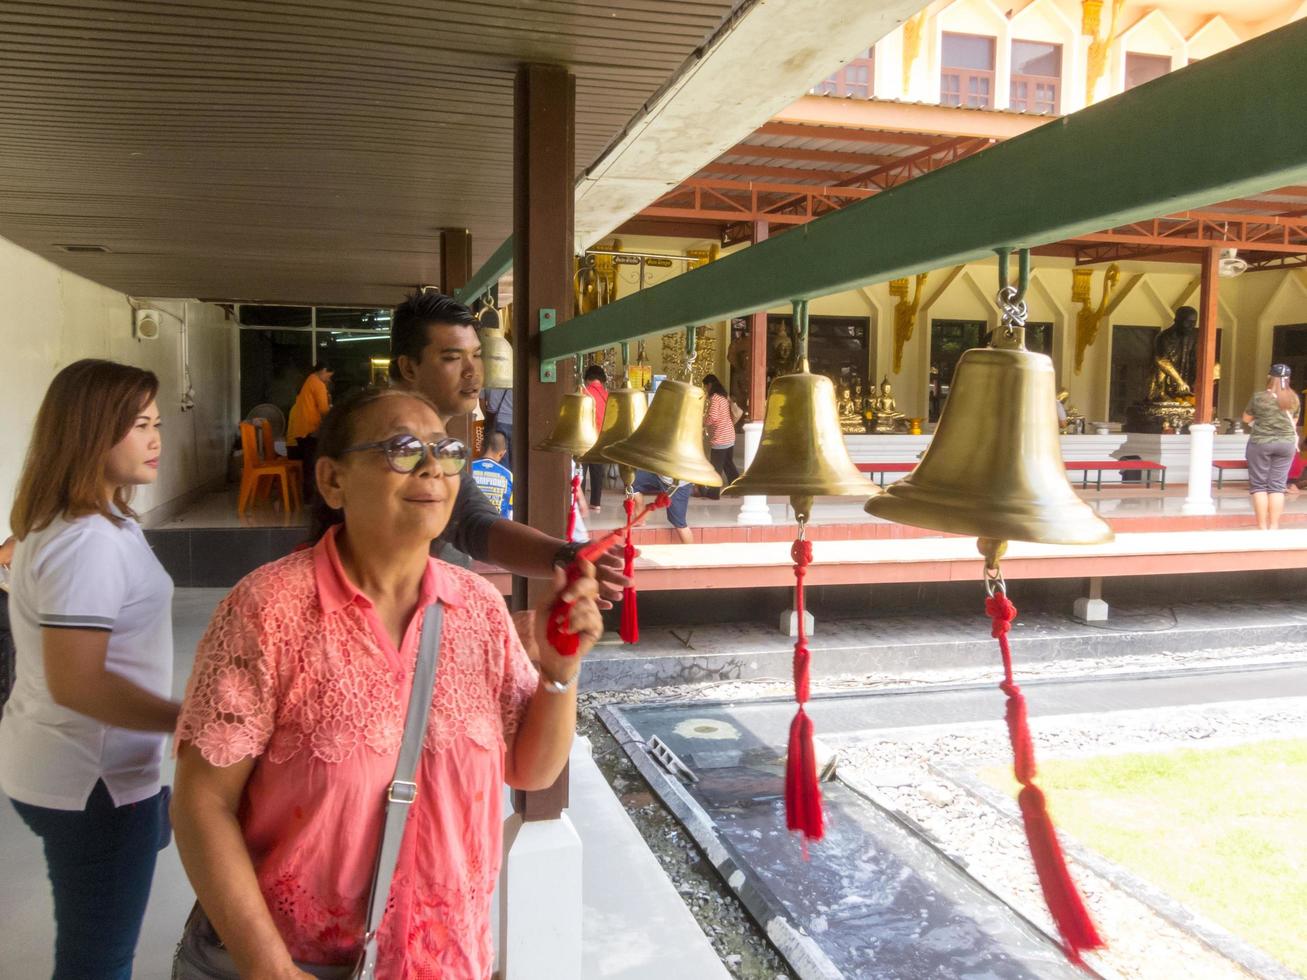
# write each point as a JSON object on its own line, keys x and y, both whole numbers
{"x": 82, "y": 736}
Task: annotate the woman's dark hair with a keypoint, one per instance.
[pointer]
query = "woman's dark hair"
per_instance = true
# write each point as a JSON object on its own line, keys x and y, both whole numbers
{"x": 595, "y": 372}
{"x": 714, "y": 386}
{"x": 1285, "y": 397}
{"x": 88, "y": 409}
{"x": 323, "y": 365}
{"x": 409, "y": 322}
{"x": 336, "y": 434}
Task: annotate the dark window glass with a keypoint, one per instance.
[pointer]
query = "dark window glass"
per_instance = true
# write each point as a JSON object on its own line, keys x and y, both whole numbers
{"x": 837, "y": 346}
{"x": 274, "y": 363}
{"x": 949, "y": 339}
{"x": 1141, "y": 68}
{"x": 338, "y": 319}
{"x": 357, "y": 359}
{"x": 1132, "y": 368}
{"x": 276, "y": 316}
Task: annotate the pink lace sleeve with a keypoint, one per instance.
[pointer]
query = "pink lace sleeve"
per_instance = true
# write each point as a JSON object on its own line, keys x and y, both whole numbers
{"x": 230, "y": 702}
{"x": 518, "y": 684}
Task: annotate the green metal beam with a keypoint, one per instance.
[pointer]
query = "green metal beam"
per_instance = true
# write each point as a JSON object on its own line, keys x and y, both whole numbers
{"x": 491, "y": 271}
{"x": 1230, "y": 125}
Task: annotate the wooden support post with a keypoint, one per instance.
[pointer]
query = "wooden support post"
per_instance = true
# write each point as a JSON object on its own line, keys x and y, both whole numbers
{"x": 544, "y": 151}
{"x": 455, "y": 259}
{"x": 1208, "y": 317}
{"x": 758, "y": 346}
{"x": 540, "y": 907}
{"x": 455, "y": 267}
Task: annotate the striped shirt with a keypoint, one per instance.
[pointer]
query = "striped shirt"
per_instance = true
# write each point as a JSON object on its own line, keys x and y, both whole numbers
{"x": 717, "y": 421}
{"x": 88, "y": 574}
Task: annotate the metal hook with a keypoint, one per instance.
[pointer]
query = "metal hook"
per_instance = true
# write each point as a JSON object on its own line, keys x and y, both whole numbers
{"x": 800, "y": 307}
{"x": 1023, "y": 271}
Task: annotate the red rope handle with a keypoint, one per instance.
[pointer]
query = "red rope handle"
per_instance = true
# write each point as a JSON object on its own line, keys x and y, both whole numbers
{"x": 1060, "y": 893}
{"x": 557, "y": 628}
{"x": 575, "y": 504}
{"x": 630, "y": 628}
{"x": 803, "y": 810}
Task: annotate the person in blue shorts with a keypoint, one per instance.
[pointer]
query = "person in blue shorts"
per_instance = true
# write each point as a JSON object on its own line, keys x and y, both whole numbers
{"x": 677, "y": 513}
{"x": 493, "y": 477}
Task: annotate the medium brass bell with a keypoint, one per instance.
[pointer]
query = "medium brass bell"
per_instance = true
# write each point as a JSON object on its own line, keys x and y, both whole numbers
{"x": 496, "y": 358}
{"x": 626, "y": 410}
{"x": 574, "y": 432}
{"x": 802, "y": 454}
{"x": 994, "y": 467}
{"x": 669, "y": 441}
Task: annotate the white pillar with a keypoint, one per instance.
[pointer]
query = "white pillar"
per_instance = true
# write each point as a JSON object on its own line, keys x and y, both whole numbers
{"x": 754, "y": 509}
{"x": 540, "y": 908}
{"x": 1199, "y": 498}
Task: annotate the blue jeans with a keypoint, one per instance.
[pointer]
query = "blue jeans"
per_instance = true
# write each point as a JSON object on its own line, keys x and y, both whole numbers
{"x": 101, "y": 862}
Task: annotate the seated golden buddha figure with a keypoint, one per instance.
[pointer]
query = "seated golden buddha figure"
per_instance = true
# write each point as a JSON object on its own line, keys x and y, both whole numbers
{"x": 850, "y": 408}
{"x": 885, "y": 416}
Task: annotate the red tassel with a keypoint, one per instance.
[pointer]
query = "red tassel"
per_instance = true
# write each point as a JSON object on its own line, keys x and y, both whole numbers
{"x": 575, "y": 503}
{"x": 803, "y": 810}
{"x": 630, "y": 628}
{"x": 1060, "y": 893}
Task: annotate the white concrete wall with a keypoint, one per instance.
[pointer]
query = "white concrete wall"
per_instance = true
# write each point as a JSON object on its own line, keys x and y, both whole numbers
{"x": 50, "y": 317}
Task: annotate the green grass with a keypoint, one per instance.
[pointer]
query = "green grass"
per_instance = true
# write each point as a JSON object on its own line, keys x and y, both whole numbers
{"x": 1223, "y": 830}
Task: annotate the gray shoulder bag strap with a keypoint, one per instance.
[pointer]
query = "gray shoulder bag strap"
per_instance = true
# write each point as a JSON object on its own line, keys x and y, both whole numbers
{"x": 403, "y": 790}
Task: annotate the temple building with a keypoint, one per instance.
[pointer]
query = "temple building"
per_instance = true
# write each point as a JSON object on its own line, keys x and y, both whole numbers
{"x": 955, "y": 79}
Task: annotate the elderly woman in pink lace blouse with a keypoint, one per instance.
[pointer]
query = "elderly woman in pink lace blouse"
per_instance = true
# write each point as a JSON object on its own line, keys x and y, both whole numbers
{"x": 293, "y": 718}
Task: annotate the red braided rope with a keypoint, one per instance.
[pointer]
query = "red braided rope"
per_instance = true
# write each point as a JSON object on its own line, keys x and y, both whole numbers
{"x": 557, "y": 629}
{"x": 574, "y": 507}
{"x": 802, "y": 791}
{"x": 630, "y": 628}
{"x": 1060, "y": 893}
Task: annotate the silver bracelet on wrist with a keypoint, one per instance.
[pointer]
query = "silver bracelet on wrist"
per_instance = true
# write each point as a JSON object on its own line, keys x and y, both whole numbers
{"x": 556, "y": 687}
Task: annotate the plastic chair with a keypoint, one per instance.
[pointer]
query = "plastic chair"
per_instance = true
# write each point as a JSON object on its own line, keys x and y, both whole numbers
{"x": 268, "y": 454}
{"x": 254, "y": 470}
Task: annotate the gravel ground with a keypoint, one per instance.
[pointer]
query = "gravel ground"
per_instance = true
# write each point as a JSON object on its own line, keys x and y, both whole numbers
{"x": 902, "y": 774}
{"x": 908, "y": 773}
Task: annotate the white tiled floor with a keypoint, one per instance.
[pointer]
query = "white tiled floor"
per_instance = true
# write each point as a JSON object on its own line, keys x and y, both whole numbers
{"x": 25, "y": 908}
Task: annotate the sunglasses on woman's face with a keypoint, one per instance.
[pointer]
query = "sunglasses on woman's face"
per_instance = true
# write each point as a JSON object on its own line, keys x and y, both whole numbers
{"x": 405, "y": 453}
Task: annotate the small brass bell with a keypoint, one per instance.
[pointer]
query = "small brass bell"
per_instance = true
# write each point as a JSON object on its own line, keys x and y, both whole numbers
{"x": 574, "y": 432}
{"x": 496, "y": 352}
{"x": 994, "y": 467}
{"x": 626, "y": 410}
{"x": 802, "y": 454}
{"x": 669, "y": 441}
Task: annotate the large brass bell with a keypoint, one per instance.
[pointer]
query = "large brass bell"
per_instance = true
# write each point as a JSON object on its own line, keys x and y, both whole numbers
{"x": 496, "y": 351}
{"x": 802, "y": 454}
{"x": 669, "y": 441}
{"x": 994, "y": 467}
{"x": 574, "y": 432}
{"x": 626, "y": 410}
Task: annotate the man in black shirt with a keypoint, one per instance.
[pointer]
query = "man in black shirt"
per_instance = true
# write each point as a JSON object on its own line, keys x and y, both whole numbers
{"x": 435, "y": 350}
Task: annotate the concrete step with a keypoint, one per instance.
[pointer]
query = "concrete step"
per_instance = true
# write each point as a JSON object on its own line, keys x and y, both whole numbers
{"x": 941, "y": 640}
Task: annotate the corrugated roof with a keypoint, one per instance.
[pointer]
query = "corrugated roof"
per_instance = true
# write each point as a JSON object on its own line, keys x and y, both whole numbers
{"x": 306, "y": 151}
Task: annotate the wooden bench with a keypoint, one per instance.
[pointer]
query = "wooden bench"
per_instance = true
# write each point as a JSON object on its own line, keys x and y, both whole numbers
{"x": 883, "y": 468}
{"x": 1221, "y": 465}
{"x": 1099, "y": 465}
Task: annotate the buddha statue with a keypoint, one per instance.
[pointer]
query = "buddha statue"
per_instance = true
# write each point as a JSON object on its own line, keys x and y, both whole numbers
{"x": 851, "y": 422}
{"x": 1071, "y": 419}
{"x": 885, "y": 416}
{"x": 1170, "y": 401}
